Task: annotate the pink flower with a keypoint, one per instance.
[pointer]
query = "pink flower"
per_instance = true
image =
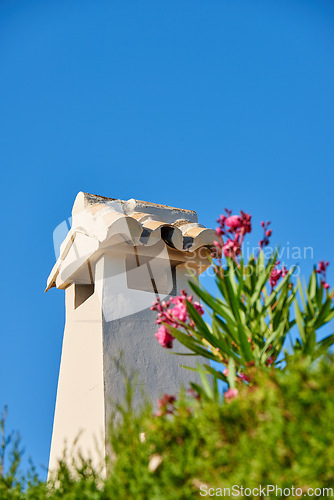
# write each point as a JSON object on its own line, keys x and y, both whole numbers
{"x": 225, "y": 372}
{"x": 266, "y": 234}
{"x": 322, "y": 266}
{"x": 270, "y": 361}
{"x": 198, "y": 308}
{"x": 179, "y": 311}
{"x": 233, "y": 222}
{"x": 221, "y": 220}
{"x": 173, "y": 316}
{"x": 277, "y": 274}
{"x": 232, "y": 248}
{"x": 243, "y": 377}
{"x": 235, "y": 227}
{"x": 194, "y": 394}
{"x": 274, "y": 277}
{"x": 284, "y": 271}
{"x": 166, "y": 405}
{"x": 322, "y": 270}
{"x": 246, "y": 226}
{"x": 231, "y": 394}
{"x": 164, "y": 338}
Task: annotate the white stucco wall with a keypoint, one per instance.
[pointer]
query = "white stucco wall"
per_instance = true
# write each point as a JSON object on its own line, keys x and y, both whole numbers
{"x": 80, "y": 393}
{"x": 132, "y": 334}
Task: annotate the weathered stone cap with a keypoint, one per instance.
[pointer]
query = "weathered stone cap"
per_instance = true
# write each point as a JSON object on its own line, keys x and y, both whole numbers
{"x": 135, "y": 222}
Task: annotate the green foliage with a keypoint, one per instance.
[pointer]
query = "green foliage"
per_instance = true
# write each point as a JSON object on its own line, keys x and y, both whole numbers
{"x": 250, "y": 320}
{"x": 281, "y": 431}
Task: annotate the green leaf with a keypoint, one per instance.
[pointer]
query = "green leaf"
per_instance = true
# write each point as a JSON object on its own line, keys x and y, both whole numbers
{"x": 215, "y": 304}
{"x": 232, "y": 276}
{"x": 309, "y": 304}
{"x": 324, "y": 314}
{"x": 299, "y": 321}
{"x": 327, "y": 342}
{"x": 215, "y": 373}
{"x": 192, "y": 344}
{"x": 232, "y": 299}
{"x": 200, "y": 347}
{"x": 261, "y": 280}
{"x": 204, "y": 380}
{"x": 312, "y": 287}
{"x": 300, "y": 288}
{"x": 226, "y": 328}
{"x": 244, "y": 344}
{"x": 197, "y": 318}
{"x": 197, "y": 388}
{"x": 239, "y": 272}
{"x": 319, "y": 294}
{"x": 310, "y": 343}
{"x": 231, "y": 377}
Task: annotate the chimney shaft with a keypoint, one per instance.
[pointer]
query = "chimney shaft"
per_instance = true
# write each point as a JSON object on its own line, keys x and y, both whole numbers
{"x": 116, "y": 259}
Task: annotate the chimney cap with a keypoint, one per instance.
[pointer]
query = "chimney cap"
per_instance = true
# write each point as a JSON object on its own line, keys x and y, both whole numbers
{"x": 99, "y": 219}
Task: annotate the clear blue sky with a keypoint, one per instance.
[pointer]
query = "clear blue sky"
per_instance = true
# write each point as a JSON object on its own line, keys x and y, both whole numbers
{"x": 197, "y": 104}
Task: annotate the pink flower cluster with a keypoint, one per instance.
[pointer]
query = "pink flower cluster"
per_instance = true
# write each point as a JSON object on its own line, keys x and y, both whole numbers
{"x": 231, "y": 394}
{"x": 266, "y": 234}
{"x": 322, "y": 270}
{"x": 234, "y": 227}
{"x": 243, "y": 377}
{"x": 166, "y": 405}
{"x": 173, "y": 316}
{"x": 164, "y": 338}
{"x": 277, "y": 274}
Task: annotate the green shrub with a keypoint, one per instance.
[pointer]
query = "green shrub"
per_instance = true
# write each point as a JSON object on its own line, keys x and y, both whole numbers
{"x": 281, "y": 432}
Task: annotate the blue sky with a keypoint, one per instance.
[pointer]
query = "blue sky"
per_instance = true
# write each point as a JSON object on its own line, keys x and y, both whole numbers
{"x": 196, "y": 104}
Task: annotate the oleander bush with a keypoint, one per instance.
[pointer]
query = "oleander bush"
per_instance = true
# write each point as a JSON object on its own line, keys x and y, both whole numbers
{"x": 257, "y": 308}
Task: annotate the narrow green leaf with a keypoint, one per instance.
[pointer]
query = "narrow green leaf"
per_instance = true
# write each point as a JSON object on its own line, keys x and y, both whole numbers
{"x": 312, "y": 287}
{"x": 261, "y": 281}
{"x": 215, "y": 304}
{"x": 231, "y": 377}
{"x": 215, "y": 373}
{"x": 324, "y": 313}
{"x": 197, "y": 388}
{"x": 204, "y": 380}
{"x": 244, "y": 344}
{"x": 299, "y": 321}
{"x": 197, "y": 318}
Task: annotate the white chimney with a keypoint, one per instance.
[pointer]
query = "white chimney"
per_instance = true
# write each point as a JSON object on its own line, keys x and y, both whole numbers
{"x": 115, "y": 260}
